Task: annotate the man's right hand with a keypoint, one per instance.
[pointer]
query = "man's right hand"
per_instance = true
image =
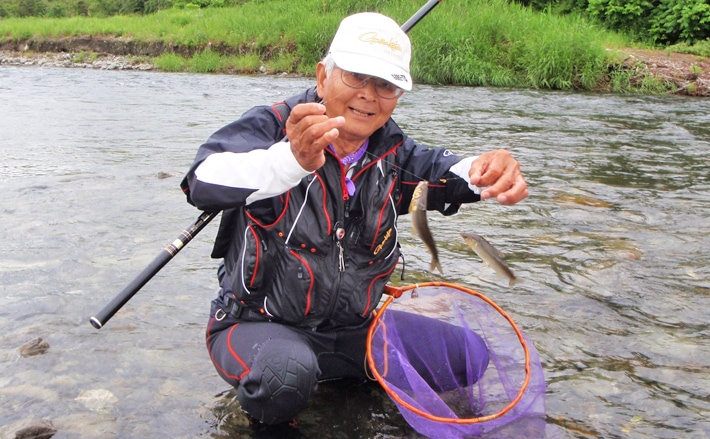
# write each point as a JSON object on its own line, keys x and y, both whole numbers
{"x": 310, "y": 131}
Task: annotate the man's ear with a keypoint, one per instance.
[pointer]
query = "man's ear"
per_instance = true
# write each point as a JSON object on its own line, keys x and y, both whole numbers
{"x": 321, "y": 76}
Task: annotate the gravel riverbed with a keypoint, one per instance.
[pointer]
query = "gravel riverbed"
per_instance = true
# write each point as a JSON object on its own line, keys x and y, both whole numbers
{"x": 74, "y": 60}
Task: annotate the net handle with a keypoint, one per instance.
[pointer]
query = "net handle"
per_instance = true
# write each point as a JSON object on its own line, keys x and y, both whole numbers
{"x": 396, "y": 292}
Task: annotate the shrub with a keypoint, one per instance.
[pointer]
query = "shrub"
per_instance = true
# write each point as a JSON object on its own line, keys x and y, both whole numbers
{"x": 170, "y": 62}
{"x": 205, "y": 62}
{"x": 681, "y": 21}
{"x": 661, "y": 22}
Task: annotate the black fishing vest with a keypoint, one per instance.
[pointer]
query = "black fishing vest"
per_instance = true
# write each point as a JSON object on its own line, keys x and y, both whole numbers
{"x": 314, "y": 257}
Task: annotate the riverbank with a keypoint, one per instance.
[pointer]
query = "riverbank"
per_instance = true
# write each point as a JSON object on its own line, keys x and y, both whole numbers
{"x": 641, "y": 70}
{"x": 469, "y": 43}
{"x": 491, "y": 47}
{"x": 688, "y": 74}
{"x": 75, "y": 60}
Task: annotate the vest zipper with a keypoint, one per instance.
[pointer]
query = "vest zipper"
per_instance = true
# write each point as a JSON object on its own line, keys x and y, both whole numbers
{"x": 339, "y": 235}
{"x": 341, "y": 257}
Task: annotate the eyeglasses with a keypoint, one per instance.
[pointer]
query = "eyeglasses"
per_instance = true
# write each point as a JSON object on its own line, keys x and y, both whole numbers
{"x": 384, "y": 89}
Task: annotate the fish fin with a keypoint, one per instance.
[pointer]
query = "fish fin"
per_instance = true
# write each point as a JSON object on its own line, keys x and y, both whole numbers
{"x": 437, "y": 265}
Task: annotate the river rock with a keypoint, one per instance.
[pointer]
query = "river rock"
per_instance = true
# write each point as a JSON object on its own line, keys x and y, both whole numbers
{"x": 36, "y": 432}
{"x": 163, "y": 174}
{"x": 34, "y": 347}
{"x": 28, "y": 429}
{"x": 97, "y": 399}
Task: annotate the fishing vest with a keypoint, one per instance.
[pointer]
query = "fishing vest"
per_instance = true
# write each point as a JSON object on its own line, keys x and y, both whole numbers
{"x": 315, "y": 257}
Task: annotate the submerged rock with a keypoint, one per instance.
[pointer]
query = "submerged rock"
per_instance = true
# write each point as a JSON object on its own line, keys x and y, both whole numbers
{"x": 28, "y": 429}
{"x": 97, "y": 399}
{"x": 36, "y": 432}
{"x": 34, "y": 347}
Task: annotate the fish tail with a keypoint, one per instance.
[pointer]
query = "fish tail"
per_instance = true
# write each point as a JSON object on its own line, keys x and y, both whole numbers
{"x": 436, "y": 264}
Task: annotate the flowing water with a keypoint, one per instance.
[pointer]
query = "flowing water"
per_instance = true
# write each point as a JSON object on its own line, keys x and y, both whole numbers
{"x": 612, "y": 246}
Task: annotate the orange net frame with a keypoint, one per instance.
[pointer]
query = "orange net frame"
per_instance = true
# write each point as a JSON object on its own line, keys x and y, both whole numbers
{"x": 513, "y": 368}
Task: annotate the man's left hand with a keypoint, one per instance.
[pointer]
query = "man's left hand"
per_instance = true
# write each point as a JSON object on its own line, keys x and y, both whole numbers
{"x": 500, "y": 174}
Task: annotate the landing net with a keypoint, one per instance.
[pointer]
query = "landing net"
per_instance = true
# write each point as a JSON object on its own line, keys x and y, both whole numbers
{"x": 464, "y": 395}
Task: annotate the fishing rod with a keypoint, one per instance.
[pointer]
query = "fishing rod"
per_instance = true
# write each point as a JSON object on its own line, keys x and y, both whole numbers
{"x": 165, "y": 255}
{"x": 168, "y": 253}
{"x": 414, "y": 19}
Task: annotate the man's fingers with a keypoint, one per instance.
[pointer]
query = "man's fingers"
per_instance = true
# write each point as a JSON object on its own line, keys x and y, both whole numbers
{"x": 310, "y": 131}
{"x": 322, "y": 130}
{"x": 476, "y": 174}
{"x": 515, "y": 193}
{"x": 499, "y": 173}
{"x": 303, "y": 110}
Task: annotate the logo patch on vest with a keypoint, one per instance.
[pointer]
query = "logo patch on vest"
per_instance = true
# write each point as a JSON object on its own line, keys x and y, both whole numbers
{"x": 381, "y": 245}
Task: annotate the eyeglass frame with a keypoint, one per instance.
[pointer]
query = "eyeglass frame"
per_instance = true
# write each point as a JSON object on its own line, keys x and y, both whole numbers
{"x": 378, "y": 86}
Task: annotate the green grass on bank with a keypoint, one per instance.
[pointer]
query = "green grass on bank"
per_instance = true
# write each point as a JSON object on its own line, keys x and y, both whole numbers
{"x": 465, "y": 42}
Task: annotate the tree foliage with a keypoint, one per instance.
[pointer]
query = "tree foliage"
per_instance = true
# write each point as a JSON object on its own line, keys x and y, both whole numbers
{"x": 659, "y": 21}
{"x": 662, "y": 22}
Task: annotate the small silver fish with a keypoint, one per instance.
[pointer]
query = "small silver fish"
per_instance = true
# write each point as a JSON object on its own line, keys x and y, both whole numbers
{"x": 417, "y": 208}
{"x": 490, "y": 256}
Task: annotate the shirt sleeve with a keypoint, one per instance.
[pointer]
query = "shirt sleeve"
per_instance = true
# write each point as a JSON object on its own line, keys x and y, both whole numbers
{"x": 462, "y": 168}
{"x": 227, "y": 179}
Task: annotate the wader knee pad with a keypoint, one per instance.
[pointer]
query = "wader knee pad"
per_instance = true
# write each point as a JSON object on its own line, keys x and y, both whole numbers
{"x": 280, "y": 383}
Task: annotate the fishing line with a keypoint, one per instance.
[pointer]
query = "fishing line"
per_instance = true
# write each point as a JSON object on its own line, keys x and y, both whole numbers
{"x": 418, "y": 177}
{"x": 376, "y": 157}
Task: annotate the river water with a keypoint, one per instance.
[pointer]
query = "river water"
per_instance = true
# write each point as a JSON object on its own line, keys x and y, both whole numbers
{"x": 613, "y": 246}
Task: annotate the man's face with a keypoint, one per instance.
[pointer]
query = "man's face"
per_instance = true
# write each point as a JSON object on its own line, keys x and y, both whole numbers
{"x": 363, "y": 109}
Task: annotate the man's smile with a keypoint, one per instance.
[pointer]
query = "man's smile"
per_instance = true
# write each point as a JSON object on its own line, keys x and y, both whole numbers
{"x": 360, "y": 112}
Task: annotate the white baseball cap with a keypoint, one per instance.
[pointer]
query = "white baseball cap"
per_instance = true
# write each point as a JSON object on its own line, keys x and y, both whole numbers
{"x": 373, "y": 44}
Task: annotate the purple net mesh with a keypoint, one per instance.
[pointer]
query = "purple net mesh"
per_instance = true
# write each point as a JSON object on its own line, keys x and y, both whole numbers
{"x": 453, "y": 376}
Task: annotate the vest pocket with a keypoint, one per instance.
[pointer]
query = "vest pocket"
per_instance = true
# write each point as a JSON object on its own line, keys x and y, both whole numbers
{"x": 277, "y": 283}
{"x": 254, "y": 266}
{"x": 372, "y": 234}
{"x": 293, "y": 282}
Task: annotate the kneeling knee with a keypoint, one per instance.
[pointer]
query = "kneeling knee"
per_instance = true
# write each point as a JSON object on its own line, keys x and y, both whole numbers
{"x": 282, "y": 379}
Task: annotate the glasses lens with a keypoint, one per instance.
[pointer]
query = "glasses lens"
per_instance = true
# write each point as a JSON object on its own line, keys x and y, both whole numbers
{"x": 384, "y": 89}
{"x": 354, "y": 80}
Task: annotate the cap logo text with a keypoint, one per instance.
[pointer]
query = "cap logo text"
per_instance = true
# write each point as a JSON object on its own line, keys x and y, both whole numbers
{"x": 371, "y": 37}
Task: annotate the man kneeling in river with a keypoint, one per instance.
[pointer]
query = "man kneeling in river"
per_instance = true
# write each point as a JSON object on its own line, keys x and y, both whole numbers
{"x": 310, "y": 190}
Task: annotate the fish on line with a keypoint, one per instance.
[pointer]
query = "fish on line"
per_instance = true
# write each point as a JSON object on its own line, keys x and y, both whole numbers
{"x": 490, "y": 256}
{"x": 417, "y": 208}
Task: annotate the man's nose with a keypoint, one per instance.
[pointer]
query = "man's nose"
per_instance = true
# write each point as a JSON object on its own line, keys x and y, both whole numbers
{"x": 369, "y": 91}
